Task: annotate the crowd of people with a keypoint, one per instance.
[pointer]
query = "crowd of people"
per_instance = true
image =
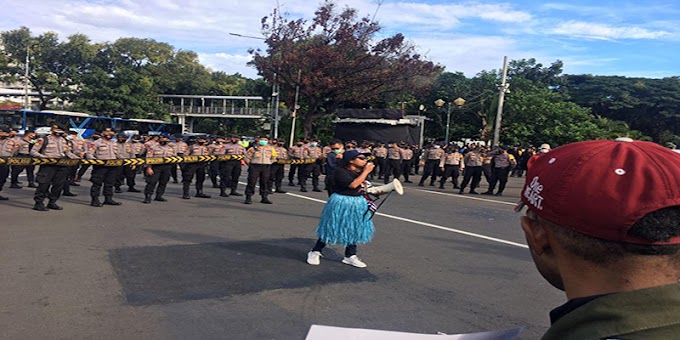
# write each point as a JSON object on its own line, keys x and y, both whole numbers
{"x": 440, "y": 163}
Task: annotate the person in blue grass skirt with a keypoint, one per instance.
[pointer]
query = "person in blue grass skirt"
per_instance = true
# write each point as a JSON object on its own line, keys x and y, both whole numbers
{"x": 344, "y": 219}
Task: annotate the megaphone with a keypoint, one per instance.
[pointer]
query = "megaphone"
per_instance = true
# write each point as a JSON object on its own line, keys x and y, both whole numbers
{"x": 383, "y": 189}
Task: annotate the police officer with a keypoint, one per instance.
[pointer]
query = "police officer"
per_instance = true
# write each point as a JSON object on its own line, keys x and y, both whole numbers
{"x": 295, "y": 154}
{"x": 451, "y": 166}
{"x": 25, "y": 144}
{"x": 393, "y": 162}
{"x": 260, "y": 158}
{"x": 502, "y": 163}
{"x": 88, "y": 144}
{"x": 473, "y": 169}
{"x": 380, "y": 153}
{"x": 104, "y": 149}
{"x": 8, "y": 148}
{"x": 216, "y": 148}
{"x": 433, "y": 157}
{"x": 78, "y": 148}
{"x": 127, "y": 150}
{"x": 406, "y": 162}
{"x": 230, "y": 170}
{"x": 196, "y": 147}
{"x": 312, "y": 151}
{"x": 277, "y": 175}
{"x": 158, "y": 174}
{"x": 51, "y": 178}
{"x": 180, "y": 148}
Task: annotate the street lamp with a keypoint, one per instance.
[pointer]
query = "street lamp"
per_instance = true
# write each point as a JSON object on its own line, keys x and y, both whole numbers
{"x": 459, "y": 102}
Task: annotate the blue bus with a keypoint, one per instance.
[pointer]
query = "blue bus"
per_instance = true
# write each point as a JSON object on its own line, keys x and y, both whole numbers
{"x": 84, "y": 123}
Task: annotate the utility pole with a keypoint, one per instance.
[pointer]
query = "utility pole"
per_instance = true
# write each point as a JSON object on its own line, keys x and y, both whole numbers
{"x": 502, "y": 90}
{"x": 26, "y": 101}
{"x": 295, "y": 108}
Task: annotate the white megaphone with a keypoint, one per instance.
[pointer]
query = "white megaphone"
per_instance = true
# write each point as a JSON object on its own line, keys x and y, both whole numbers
{"x": 383, "y": 189}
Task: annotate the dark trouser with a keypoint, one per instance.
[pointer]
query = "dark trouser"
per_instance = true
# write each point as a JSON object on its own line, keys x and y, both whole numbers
{"x": 291, "y": 172}
{"x": 160, "y": 177}
{"x": 393, "y": 168}
{"x": 474, "y": 173}
{"x": 105, "y": 175}
{"x": 4, "y": 173}
{"x": 330, "y": 183}
{"x": 380, "y": 166}
{"x": 276, "y": 178}
{"x": 261, "y": 173}
{"x": 128, "y": 175}
{"x": 450, "y": 171}
{"x": 406, "y": 168}
{"x": 488, "y": 172}
{"x": 214, "y": 171}
{"x": 350, "y": 250}
{"x": 230, "y": 171}
{"x": 83, "y": 168}
{"x": 519, "y": 171}
{"x": 416, "y": 165}
{"x": 500, "y": 175}
{"x": 50, "y": 176}
{"x": 173, "y": 172}
{"x": 188, "y": 172}
{"x": 315, "y": 170}
{"x": 17, "y": 169}
{"x": 431, "y": 166}
{"x": 70, "y": 177}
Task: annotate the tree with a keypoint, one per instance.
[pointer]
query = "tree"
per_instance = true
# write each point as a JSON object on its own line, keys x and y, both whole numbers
{"x": 339, "y": 62}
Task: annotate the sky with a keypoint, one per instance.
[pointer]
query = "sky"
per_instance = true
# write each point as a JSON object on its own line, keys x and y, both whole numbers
{"x": 623, "y": 37}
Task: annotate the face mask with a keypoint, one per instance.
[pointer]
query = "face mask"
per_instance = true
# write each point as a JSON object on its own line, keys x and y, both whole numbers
{"x": 263, "y": 142}
{"x": 163, "y": 142}
{"x": 437, "y": 146}
{"x": 544, "y": 150}
{"x": 299, "y": 144}
{"x": 338, "y": 151}
{"x": 69, "y": 137}
{"x": 313, "y": 144}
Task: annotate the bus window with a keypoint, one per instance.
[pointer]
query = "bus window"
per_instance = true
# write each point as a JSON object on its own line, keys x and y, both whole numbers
{"x": 41, "y": 119}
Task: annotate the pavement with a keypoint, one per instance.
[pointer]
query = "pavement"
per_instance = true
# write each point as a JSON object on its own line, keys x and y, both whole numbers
{"x": 219, "y": 269}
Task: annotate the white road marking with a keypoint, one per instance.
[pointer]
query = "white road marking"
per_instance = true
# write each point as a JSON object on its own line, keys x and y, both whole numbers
{"x": 467, "y": 196}
{"x": 430, "y": 225}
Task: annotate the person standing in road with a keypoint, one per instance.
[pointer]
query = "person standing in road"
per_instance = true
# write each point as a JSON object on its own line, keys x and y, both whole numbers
{"x": 260, "y": 159}
{"x": 276, "y": 181}
{"x": 602, "y": 226}
{"x": 433, "y": 156}
{"x": 473, "y": 169}
{"x": 380, "y": 153}
{"x": 407, "y": 161}
{"x": 83, "y": 167}
{"x": 394, "y": 161}
{"x": 333, "y": 158}
{"x": 126, "y": 150}
{"x": 158, "y": 174}
{"x": 502, "y": 163}
{"x": 51, "y": 178}
{"x": 296, "y": 154}
{"x": 78, "y": 148}
{"x": 180, "y": 148}
{"x": 230, "y": 171}
{"x": 451, "y": 166}
{"x": 8, "y": 148}
{"x": 344, "y": 219}
{"x": 311, "y": 152}
{"x": 25, "y": 144}
{"x": 196, "y": 147}
{"x": 104, "y": 149}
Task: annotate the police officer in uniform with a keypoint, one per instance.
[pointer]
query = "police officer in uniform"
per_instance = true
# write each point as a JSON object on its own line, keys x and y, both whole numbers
{"x": 502, "y": 163}
{"x": 180, "y": 148}
{"x": 78, "y": 148}
{"x": 277, "y": 175}
{"x": 88, "y": 144}
{"x": 158, "y": 174}
{"x": 216, "y": 148}
{"x": 8, "y": 148}
{"x": 127, "y": 150}
{"x": 406, "y": 162}
{"x": 51, "y": 178}
{"x": 260, "y": 159}
{"x": 313, "y": 151}
{"x": 473, "y": 169}
{"x": 196, "y": 147}
{"x": 451, "y": 166}
{"x": 380, "y": 153}
{"x": 25, "y": 144}
{"x": 104, "y": 149}
{"x": 295, "y": 153}
{"x": 433, "y": 157}
{"x": 393, "y": 163}
{"x": 230, "y": 170}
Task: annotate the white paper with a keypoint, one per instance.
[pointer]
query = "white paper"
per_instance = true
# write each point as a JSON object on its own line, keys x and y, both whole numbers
{"x": 318, "y": 332}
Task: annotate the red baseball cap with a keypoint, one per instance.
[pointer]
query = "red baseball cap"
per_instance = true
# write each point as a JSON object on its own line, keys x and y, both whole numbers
{"x": 601, "y": 188}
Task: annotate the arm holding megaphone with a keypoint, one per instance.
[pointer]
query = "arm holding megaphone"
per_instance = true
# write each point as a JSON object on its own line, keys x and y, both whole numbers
{"x": 362, "y": 177}
{"x": 387, "y": 188}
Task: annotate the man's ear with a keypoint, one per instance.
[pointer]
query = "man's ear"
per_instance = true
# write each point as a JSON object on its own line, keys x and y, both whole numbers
{"x": 536, "y": 235}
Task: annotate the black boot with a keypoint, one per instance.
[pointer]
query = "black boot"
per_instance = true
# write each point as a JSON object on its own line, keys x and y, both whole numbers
{"x": 280, "y": 191}
{"x": 53, "y": 205}
{"x": 185, "y": 191}
{"x": 32, "y": 185}
{"x": 118, "y": 190}
{"x": 223, "y": 193}
{"x": 132, "y": 189}
{"x": 316, "y": 189}
{"x": 147, "y": 199}
{"x": 441, "y": 185}
{"x": 95, "y": 202}
{"x": 40, "y": 206}
{"x": 15, "y": 186}
{"x": 160, "y": 198}
{"x": 421, "y": 184}
{"x": 69, "y": 194}
{"x": 110, "y": 201}
{"x": 234, "y": 193}
{"x": 200, "y": 194}
{"x": 303, "y": 189}
{"x": 3, "y": 198}
{"x": 248, "y": 200}
{"x": 265, "y": 200}
{"x": 488, "y": 192}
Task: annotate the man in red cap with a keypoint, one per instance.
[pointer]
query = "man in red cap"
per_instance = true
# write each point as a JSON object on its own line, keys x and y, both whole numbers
{"x": 603, "y": 224}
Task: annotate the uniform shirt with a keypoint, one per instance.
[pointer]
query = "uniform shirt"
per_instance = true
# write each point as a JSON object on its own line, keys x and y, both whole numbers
{"x": 281, "y": 152}
{"x": 394, "y": 153}
{"x": 218, "y": 149}
{"x": 8, "y": 147}
{"x": 103, "y": 149}
{"x": 295, "y": 152}
{"x": 139, "y": 148}
{"x": 24, "y": 147}
{"x": 234, "y": 149}
{"x": 502, "y": 160}
{"x": 261, "y": 155}
{"x": 126, "y": 150}
{"x": 407, "y": 154}
{"x": 311, "y": 152}
{"x": 380, "y": 152}
{"x": 435, "y": 154}
{"x": 79, "y": 147}
{"x": 158, "y": 150}
{"x": 179, "y": 147}
{"x": 364, "y": 150}
{"x": 199, "y": 150}
{"x": 57, "y": 147}
{"x": 473, "y": 158}
{"x": 454, "y": 158}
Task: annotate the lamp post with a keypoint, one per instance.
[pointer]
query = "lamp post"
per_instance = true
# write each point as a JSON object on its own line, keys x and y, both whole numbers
{"x": 459, "y": 102}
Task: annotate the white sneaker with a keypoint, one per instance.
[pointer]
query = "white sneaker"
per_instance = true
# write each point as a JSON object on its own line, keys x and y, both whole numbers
{"x": 313, "y": 258}
{"x": 354, "y": 261}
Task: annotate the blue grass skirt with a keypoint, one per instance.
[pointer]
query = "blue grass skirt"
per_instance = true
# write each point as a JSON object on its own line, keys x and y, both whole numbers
{"x": 343, "y": 221}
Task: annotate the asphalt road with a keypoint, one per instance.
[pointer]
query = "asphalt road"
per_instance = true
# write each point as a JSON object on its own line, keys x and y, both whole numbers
{"x": 218, "y": 269}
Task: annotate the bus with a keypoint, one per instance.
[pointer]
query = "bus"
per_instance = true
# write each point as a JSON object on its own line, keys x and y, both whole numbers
{"x": 83, "y": 123}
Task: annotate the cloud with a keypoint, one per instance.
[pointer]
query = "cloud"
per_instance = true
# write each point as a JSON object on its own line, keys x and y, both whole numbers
{"x": 605, "y": 32}
{"x": 228, "y": 63}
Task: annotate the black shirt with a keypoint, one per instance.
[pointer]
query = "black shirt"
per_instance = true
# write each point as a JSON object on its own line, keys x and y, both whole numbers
{"x": 343, "y": 177}
{"x": 570, "y": 306}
